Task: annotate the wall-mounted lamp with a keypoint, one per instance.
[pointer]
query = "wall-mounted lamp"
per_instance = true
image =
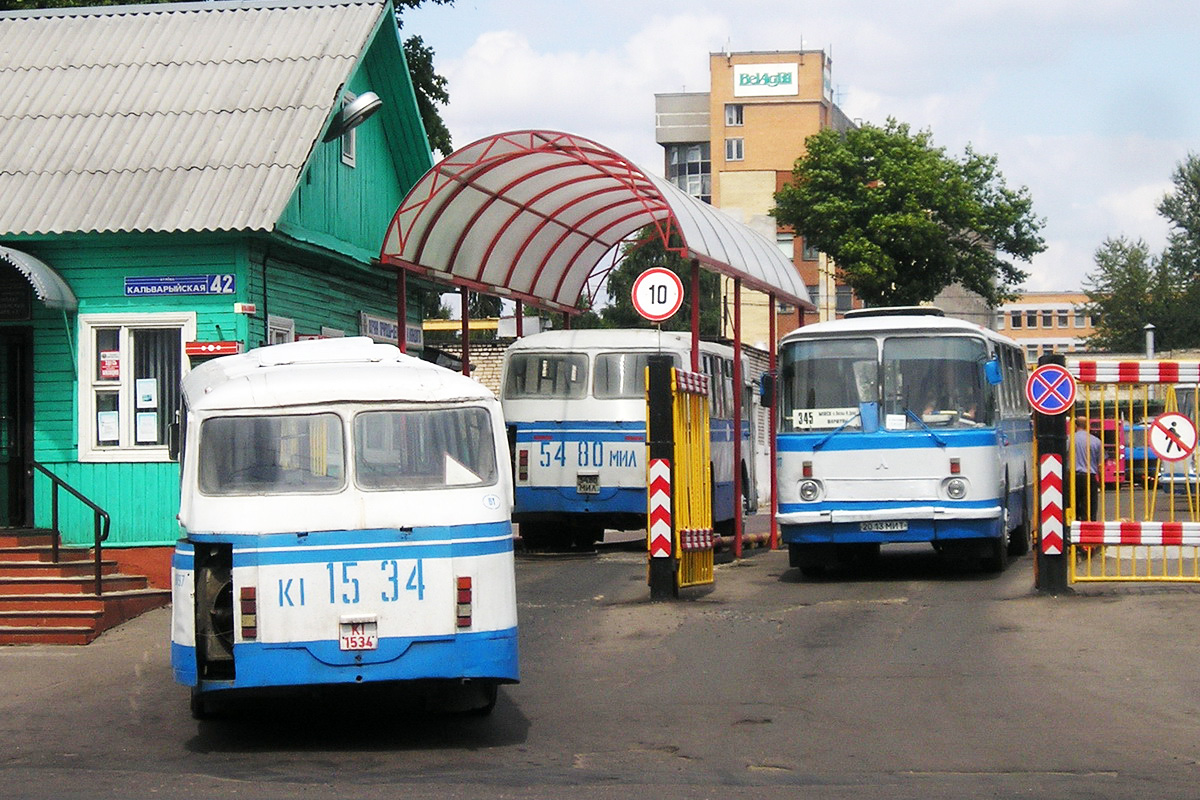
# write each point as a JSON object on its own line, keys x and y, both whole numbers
{"x": 353, "y": 114}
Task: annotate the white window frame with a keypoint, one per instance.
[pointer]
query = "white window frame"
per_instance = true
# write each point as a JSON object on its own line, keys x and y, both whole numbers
{"x": 280, "y": 330}
{"x": 734, "y": 115}
{"x": 735, "y": 149}
{"x": 88, "y": 384}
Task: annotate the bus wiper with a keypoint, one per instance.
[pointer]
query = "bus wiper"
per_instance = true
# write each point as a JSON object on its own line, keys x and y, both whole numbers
{"x": 834, "y": 432}
{"x": 939, "y": 440}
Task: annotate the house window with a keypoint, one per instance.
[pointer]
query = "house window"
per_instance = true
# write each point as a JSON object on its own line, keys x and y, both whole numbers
{"x": 349, "y": 140}
{"x": 845, "y": 299}
{"x": 734, "y": 149}
{"x": 280, "y": 330}
{"x": 690, "y": 168}
{"x": 810, "y": 253}
{"x": 785, "y": 308}
{"x": 130, "y": 368}
{"x": 1062, "y": 318}
{"x": 733, "y": 114}
{"x": 999, "y": 320}
{"x": 1031, "y": 318}
{"x": 814, "y": 293}
{"x": 1079, "y": 318}
{"x": 1016, "y": 319}
{"x": 1047, "y": 319}
{"x": 786, "y": 242}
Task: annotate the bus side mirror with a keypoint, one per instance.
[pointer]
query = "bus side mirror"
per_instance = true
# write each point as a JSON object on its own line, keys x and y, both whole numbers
{"x": 766, "y": 389}
{"x": 991, "y": 369}
{"x": 173, "y": 441}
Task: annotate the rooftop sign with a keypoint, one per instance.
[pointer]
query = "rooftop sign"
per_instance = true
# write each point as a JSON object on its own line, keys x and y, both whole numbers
{"x": 765, "y": 80}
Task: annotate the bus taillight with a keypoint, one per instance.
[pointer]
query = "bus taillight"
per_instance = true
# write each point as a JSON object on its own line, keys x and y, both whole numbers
{"x": 955, "y": 466}
{"x": 522, "y": 464}
{"x": 463, "y": 609}
{"x": 807, "y": 469}
{"x": 249, "y": 609}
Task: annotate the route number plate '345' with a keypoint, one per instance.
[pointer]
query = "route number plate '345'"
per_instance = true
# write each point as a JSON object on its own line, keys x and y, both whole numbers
{"x": 358, "y": 633}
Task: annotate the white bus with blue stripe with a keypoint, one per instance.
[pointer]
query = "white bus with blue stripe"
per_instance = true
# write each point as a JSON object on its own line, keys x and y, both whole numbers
{"x": 575, "y": 403}
{"x": 902, "y": 425}
{"x": 346, "y": 514}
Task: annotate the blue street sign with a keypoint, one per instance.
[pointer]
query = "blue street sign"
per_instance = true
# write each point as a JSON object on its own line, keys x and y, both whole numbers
{"x": 1050, "y": 389}
{"x": 180, "y": 284}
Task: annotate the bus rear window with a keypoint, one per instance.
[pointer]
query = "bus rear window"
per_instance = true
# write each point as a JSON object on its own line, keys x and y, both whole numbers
{"x": 546, "y": 375}
{"x": 424, "y": 449}
{"x": 294, "y": 454}
{"x": 621, "y": 374}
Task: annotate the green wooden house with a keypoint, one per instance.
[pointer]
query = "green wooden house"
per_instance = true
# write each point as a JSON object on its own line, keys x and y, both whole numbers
{"x": 181, "y": 180}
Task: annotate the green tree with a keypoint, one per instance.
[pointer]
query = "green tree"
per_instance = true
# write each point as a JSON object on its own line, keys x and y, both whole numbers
{"x": 902, "y": 220}
{"x": 637, "y": 257}
{"x": 430, "y": 87}
{"x": 1130, "y": 287}
{"x": 1181, "y": 208}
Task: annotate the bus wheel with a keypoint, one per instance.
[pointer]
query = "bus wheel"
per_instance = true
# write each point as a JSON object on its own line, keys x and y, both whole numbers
{"x": 535, "y": 535}
{"x": 202, "y": 706}
{"x": 488, "y": 692}
{"x": 996, "y": 559}
{"x": 584, "y": 537}
{"x": 1020, "y": 538}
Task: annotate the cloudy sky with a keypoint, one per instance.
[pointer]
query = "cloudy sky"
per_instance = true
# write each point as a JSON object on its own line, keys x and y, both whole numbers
{"x": 1089, "y": 104}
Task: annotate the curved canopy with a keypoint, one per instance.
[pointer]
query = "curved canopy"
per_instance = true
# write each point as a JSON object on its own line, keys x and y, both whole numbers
{"x": 47, "y": 284}
{"x": 532, "y": 215}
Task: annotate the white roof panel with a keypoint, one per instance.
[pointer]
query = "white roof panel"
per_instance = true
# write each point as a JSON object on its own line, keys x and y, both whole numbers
{"x": 533, "y": 215}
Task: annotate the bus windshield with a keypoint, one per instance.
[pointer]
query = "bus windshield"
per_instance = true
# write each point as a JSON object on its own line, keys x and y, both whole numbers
{"x": 939, "y": 379}
{"x": 933, "y": 381}
{"x": 824, "y": 382}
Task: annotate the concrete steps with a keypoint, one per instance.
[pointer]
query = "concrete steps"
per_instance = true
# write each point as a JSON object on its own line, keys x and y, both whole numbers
{"x": 47, "y": 602}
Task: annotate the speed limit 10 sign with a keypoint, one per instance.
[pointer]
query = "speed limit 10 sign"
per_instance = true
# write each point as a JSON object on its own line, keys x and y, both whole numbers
{"x": 657, "y": 294}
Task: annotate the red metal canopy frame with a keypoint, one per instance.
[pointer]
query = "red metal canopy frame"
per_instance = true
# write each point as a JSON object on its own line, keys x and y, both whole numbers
{"x": 535, "y": 216}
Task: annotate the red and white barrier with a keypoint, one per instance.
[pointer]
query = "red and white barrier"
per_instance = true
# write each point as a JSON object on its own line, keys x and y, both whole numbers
{"x": 1137, "y": 533}
{"x": 1113, "y": 371}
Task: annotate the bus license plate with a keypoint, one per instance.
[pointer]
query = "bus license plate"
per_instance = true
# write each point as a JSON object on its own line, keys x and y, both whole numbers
{"x": 358, "y": 635}
{"x": 887, "y": 525}
{"x": 587, "y": 484}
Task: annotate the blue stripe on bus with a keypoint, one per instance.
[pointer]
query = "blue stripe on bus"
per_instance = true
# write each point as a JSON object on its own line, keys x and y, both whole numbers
{"x": 918, "y": 531}
{"x": 567, "y": 499}
{"x": 894, "y": 440}
{"x": 446, "y": 541}
{"x": 871, "y": 505}
{"x": 480, "y": 655}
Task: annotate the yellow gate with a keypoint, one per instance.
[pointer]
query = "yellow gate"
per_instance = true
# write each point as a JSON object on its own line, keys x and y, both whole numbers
{"x": 1134, "y": 509}
{"x": 679, "y": 531}
{"x": 694, "y": 538}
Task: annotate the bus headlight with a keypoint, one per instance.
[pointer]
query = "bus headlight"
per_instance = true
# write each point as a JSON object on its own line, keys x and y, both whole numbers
{"x": 809, "y": 491}
{"x": 956, "y": 488}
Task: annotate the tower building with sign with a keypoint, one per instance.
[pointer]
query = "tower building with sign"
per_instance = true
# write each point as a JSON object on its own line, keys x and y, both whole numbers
{"x": 734, "y": 146}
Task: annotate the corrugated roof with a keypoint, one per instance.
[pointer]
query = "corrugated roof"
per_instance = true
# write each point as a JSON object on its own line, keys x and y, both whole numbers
{"x": 184, "y": 116}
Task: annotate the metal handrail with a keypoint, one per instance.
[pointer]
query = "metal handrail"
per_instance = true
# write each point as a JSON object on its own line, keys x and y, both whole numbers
{"x": 99, "y": 531}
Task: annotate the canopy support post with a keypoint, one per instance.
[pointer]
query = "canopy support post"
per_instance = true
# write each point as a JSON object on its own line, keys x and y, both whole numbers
{"x": 695, "y": 315}
{"x": 402, "y": 309}
{"x": 737, "y": 418}
{"x": 465, "y": 294}
{"x": 520, "y": 314}
{"x": 772, "y": 421}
